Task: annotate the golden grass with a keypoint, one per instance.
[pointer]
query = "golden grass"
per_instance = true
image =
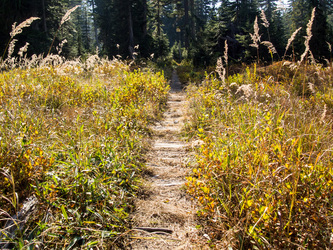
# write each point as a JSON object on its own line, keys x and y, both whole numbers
{"x": 73, "y": 134}
{"x": 264, "y": 173}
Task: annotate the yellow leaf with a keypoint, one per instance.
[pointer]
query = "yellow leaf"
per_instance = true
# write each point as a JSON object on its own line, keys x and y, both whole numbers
{"x": 249, "y": 203}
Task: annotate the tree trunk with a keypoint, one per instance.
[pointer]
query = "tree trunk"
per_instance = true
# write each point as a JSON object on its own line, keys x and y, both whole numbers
{"x": 44, "y": 16}
{"x": 193, "y": 22}
{"x": 158, "y": 19}
{"x": 130, "y": 29}
{"x": 186, "y": 21}
{"x": 145, "y": 11}
{"x": 95, "y": 23}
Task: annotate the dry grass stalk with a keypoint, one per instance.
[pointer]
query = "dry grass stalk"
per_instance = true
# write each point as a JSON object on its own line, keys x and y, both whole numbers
{"x": 270, "y": 47}
{"x": 23, "y": 49}
{"x": 255, "y": 36}
{"x": 308, "y": 36}
{"x": 18, "y": 29}
{"x": 220, "y": 69}
{"x": 64, "y": 19}
{"x": 264, "y": 19}
{"x": 291, "y": 39}
{"x": 226, "y": 52}
{"x": 322, "y": 118}
{"x": 15, "y": 31}
{"x": 67, "y": 16}
{"x": 11, "y": 48}
{"x": 226, "y": 57}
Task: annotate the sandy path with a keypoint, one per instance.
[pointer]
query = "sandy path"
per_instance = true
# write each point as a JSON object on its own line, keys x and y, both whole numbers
{"x": 166, "y": 204}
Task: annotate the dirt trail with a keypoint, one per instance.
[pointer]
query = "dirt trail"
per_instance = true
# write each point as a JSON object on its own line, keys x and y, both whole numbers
{"x": 166, "y": 204}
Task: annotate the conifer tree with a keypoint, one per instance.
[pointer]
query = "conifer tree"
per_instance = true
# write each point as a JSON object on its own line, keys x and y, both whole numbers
{"x": 299, "y": 14}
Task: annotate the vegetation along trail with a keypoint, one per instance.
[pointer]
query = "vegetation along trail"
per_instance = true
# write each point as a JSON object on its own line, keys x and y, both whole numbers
{"x": 164, "y": 218}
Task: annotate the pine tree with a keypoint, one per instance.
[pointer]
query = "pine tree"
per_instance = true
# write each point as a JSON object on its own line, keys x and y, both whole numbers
{"x": 158, "y": 10}
{"x": 123, "y": 25}
{"x": 272, "y": 28}
{"x": 41, "y": 32}
{"x": 236, "y": 21}
{"x": 299, "y": 15}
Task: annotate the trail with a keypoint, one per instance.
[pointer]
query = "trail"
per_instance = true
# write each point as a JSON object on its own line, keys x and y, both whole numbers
{"x": 166, "y": 205}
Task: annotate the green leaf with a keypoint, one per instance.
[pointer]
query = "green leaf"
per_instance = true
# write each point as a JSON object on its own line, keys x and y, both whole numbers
{"x": 93, "y": 243}
{"x": 64, "y": 212}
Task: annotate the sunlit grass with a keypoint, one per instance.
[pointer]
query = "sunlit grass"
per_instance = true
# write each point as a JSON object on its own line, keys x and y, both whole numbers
{"x": 264, "y": 172}
{"x": 74, "y": 135}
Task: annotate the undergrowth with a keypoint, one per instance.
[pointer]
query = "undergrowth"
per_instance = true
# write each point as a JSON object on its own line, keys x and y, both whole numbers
{"x": 187, "y": 73}
{"x": 263, "y": 173}
{"x": 73, "y": 134}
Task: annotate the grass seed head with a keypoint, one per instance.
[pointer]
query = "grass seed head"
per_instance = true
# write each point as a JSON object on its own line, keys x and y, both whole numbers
{"x": 226, "y": 52}
{"x": 220, "y": 69}
{"x": 311, "y": 87}
{"x": 61, "y": 45}
{"x": 270, "y": 47}
{"x": 18, "y": 29}
{"x": 255, "y": 36}
{"x": 329, "y": 47}
{"x": 292, "y": 38}
{"x": 11, "y": 48}
{"x": 308, "y": 36}
{"x": 67, "y": 16}
{"x": 246, "y": 90}
{"x": 264, "y": 19}
{"x": 23, "y": 49}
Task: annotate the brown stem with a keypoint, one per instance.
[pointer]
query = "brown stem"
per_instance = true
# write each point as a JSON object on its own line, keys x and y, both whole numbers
{"x": 53, "y": 41}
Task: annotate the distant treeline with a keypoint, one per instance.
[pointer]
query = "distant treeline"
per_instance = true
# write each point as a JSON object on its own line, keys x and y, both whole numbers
{"x": 180, "y": 29}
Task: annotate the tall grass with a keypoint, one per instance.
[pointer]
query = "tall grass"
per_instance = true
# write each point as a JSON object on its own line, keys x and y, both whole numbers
{"x": 64, "y": 19}
{"x": 263, "y": 174}
{"x": 73, "y": 134}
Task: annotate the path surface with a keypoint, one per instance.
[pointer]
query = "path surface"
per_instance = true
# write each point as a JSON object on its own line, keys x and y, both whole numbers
{"x": 166, "y": 204}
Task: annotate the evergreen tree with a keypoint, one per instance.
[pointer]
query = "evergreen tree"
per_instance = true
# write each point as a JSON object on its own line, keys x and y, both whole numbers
{"x": 299, "y": 15}
{"x": 236, "y": 22}
{"x": 320, "y": 30}
{"x": 272, "y": 29}
{"x": 40, "y": 34}
{"x": 158, "y": 11}
{"x": 123, "y": 25}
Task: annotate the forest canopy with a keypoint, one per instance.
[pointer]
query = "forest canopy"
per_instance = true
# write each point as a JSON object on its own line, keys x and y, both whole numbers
{"x": 195, "y": 30}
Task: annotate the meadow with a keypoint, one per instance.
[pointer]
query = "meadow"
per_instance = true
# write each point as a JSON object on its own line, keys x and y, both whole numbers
{"x": 263, "y": 168}
{"x": 73, "y": 136}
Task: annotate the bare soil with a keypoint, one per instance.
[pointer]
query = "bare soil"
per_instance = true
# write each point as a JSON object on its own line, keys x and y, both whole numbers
{"x": 165, "y": 204}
